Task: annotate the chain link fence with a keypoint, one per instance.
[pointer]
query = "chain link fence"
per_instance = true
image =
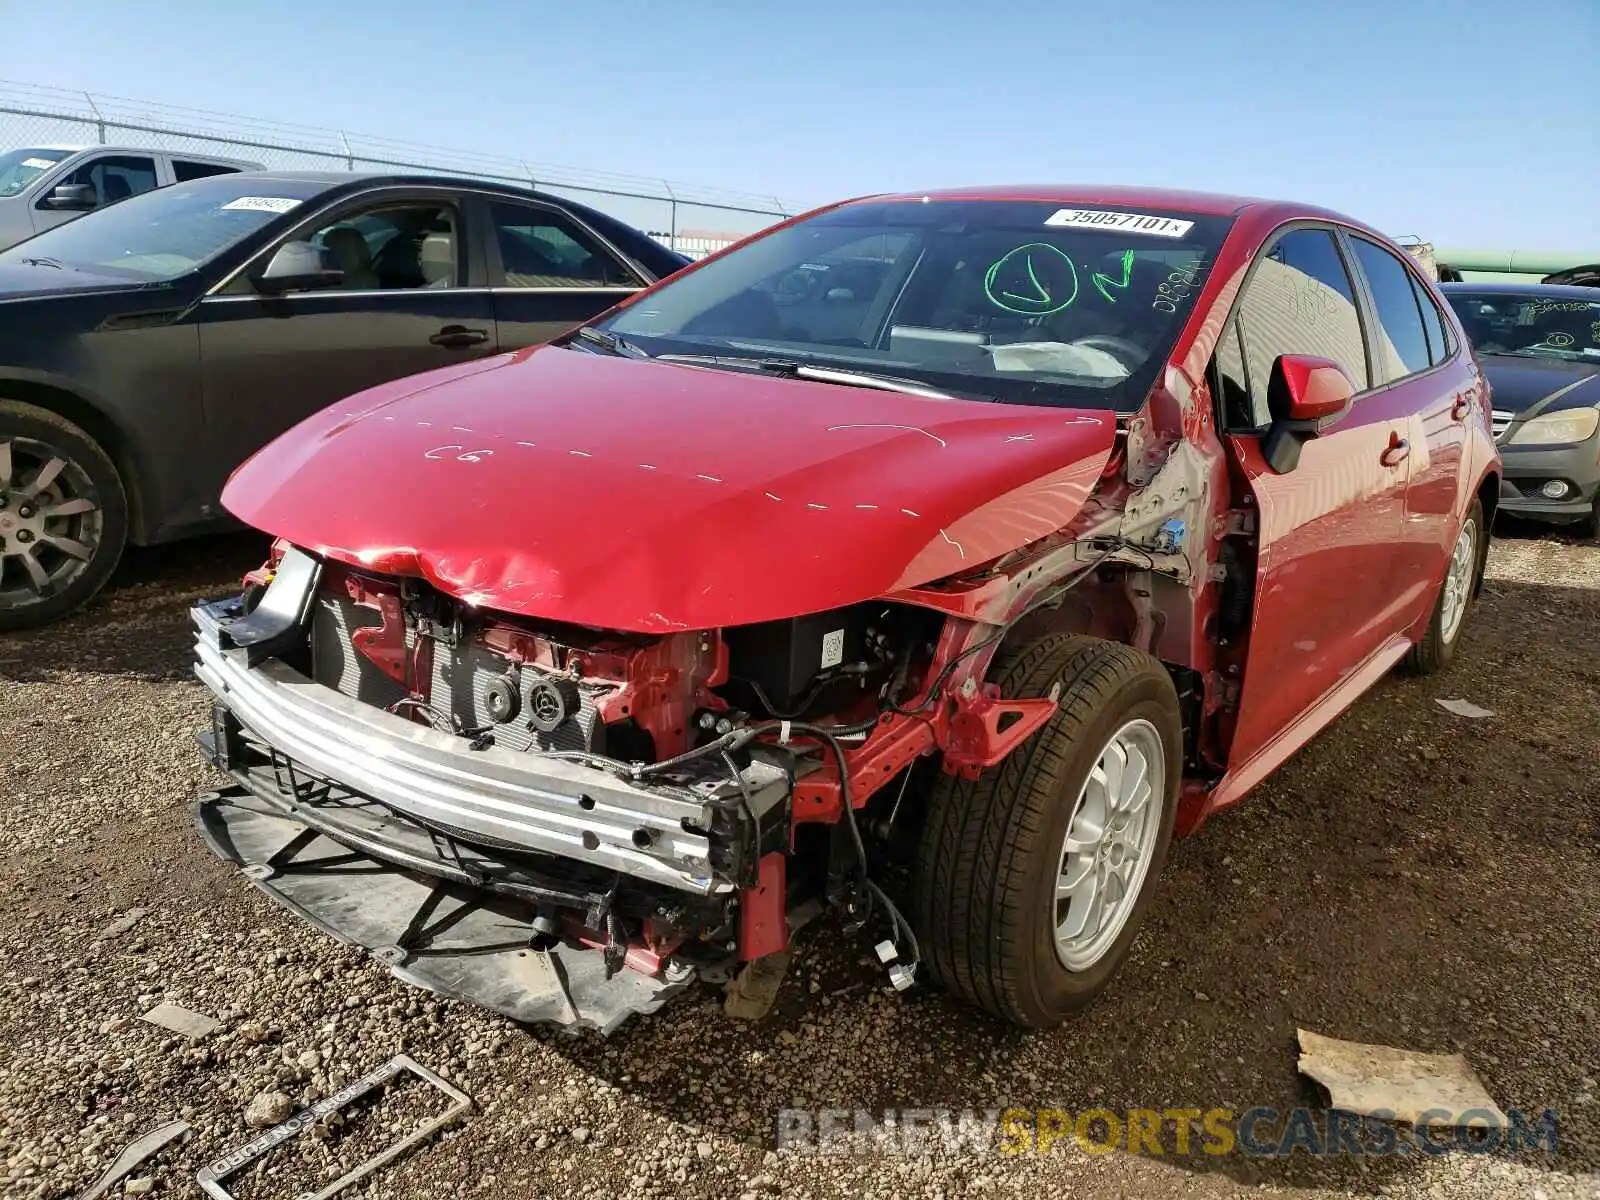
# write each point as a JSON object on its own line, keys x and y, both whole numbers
{"x": 693, "y": 220}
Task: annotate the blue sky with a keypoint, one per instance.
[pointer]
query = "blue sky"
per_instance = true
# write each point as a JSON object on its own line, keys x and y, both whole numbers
{"x": 1470, "y": 122}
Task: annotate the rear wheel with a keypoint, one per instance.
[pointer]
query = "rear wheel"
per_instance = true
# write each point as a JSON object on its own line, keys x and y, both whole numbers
{"x": 1438, "y": 645}
{"x": 63, "y": 516}
{"x": 1032, "y": 880}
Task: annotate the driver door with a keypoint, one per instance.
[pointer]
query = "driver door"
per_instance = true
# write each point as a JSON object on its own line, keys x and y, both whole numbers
{"x": 407, "y": 304}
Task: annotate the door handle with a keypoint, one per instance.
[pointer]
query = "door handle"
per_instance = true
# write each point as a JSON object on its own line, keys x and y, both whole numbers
{"x": 455, "y": 337}
{"x": 1398, "y": 451}
{"x": 1460, "y": 409}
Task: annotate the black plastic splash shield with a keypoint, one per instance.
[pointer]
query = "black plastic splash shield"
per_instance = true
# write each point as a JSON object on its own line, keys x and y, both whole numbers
{"x": 450, "y": 938}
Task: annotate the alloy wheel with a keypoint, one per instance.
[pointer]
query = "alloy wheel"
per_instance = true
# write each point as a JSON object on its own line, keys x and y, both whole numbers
{"x": 1458, "y": 581}
{"x": 51, "y": 522}
{"x": 1110, "y": 841}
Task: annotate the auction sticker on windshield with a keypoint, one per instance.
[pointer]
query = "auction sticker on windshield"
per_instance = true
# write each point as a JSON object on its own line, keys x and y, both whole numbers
{"x": 1090, "y": 218}
{"x": 39, "y": 164}
{"x": 271, "y": 204}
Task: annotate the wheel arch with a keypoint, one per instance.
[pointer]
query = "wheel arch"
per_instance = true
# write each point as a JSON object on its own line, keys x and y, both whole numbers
{"x": 94, "y": 420}
{"x": 1488, "y": 495}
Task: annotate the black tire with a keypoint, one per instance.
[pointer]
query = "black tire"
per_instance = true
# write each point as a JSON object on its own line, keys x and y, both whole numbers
{"x": 27, "y": 434}
{"x": 1589, "y": 527}
{"x": 1436, "y": 651}
{"x": 984, "y": 892}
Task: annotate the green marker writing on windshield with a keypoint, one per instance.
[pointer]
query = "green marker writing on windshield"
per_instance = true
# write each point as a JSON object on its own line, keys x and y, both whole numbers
{"x": 1012, "y": 281}
{"x": 1102, "y": 282}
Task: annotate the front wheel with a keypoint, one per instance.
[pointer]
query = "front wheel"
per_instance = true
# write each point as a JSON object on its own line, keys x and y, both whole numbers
{"x": 63, "y": 516}
{"x": 1437, "y": 648}
{"x": 1032, "y": 880}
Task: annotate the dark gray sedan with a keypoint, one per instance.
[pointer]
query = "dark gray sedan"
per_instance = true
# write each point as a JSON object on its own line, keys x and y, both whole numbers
{"x": 1540, "y": 348}
{"x": 149, "y": 348}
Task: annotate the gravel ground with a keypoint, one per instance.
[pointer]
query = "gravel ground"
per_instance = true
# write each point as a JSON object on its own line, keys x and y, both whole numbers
{"x": 1412, "y": 878}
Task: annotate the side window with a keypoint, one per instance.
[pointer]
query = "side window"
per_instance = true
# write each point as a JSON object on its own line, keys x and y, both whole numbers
{"x": 1433, "y": 323}
{"x": 1399, "y": 345}
{"x": 398, "y": 247}
{"x": 1233, "y": 389}
{"x": 116, "y": 177}
{"x": 1299, "y": 300}
{"x": 540, "y": 248}
{"x": 183, "y": 171}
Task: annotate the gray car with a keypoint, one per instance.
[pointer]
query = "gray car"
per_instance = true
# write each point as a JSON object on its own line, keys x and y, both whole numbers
{"x": 45, "y": 186}
{"x": 1540, "y": 349}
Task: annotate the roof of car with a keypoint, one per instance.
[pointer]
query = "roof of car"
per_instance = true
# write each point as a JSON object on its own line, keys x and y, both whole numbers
{"x": 1554, "y": 291}
{"x": 1207, "y": 203}
{"x": 80, "y": 147}
{"x": 358, "y": 178}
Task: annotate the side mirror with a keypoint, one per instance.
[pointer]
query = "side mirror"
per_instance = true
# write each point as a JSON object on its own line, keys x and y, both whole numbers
{"x": 299, "y": 267}
{"x": 72, "y": 197}
{"x": 1305, "y": 395}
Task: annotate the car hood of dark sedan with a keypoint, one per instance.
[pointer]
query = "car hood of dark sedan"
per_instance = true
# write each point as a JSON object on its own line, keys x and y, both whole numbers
{"x": 650, "y": 497}
{"x": 1518, "y": 384}
{"x": 22, "y": 281}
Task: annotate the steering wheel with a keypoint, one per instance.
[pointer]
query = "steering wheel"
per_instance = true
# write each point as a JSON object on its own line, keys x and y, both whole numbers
{"x": 1129, "y": 354}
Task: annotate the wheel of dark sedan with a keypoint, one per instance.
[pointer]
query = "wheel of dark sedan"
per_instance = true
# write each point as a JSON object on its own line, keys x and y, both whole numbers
{"x": 1438, "y": 645}
{"x": 1589, "y": 527}
{"x": 1032, "y": 880}
{"x": 63, "y": 516}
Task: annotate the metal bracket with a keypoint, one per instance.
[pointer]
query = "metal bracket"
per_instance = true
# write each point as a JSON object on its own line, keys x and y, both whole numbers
{"x": 134, "y": 1153}
{"x": 211, "y": 1176}
{"x": 976, "y": 738}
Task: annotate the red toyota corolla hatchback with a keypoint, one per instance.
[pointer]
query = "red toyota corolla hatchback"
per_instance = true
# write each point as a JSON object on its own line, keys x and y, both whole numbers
{"x": 932, "y": 559}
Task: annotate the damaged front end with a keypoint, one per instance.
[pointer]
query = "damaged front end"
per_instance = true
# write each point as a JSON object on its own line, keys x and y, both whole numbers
{"x": 422, "y": 783}
{"x": 569, "y": 825}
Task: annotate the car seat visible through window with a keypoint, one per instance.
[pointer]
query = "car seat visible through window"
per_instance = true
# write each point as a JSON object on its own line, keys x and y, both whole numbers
{"x": 437, "y": 260}
{"x": 355, "y": 260}
{"x": 114, "y": 188}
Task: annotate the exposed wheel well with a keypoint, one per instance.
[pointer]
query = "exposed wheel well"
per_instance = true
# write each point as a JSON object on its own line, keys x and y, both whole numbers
{"x": 1489, "y": 498}
{"x": 98, "y": 426}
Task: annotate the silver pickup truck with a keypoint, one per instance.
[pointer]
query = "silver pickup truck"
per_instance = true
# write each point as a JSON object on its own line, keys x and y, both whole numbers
{"x": 45, "y": 186}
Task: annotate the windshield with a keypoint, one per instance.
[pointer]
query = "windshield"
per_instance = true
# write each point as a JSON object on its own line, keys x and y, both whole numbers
{"x": 163, "y": 234}
{"x": 1017, "y": 301}
{"x": 1530, "y": 326}
{"x": 19, "y": 168}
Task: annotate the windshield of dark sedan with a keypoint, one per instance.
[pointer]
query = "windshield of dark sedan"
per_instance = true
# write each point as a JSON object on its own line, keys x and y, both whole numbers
{"x": 160, "y": 235}
{"x": 1018, "y": 301}
{"x": 19, "y": 168}
{"x": 1530, "y": 325}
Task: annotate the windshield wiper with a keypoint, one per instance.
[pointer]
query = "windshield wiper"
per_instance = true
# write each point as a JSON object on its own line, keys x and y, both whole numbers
{"x": 609, "y": 342}
{"x": 1551, "y": 353}
{"x": 799, "y": 370}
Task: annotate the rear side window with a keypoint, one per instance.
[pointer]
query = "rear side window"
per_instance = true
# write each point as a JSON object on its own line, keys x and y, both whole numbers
{"x": 185, "y": 171}
{"x": 1399, "y": 344}
{"x": 1299, "y": 300}
{"x": 1433, "y": 324}
{"x": 542, "y": 249}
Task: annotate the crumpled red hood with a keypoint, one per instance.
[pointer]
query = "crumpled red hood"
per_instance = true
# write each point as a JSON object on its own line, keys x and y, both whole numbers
{"x": 644, "y": 496}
